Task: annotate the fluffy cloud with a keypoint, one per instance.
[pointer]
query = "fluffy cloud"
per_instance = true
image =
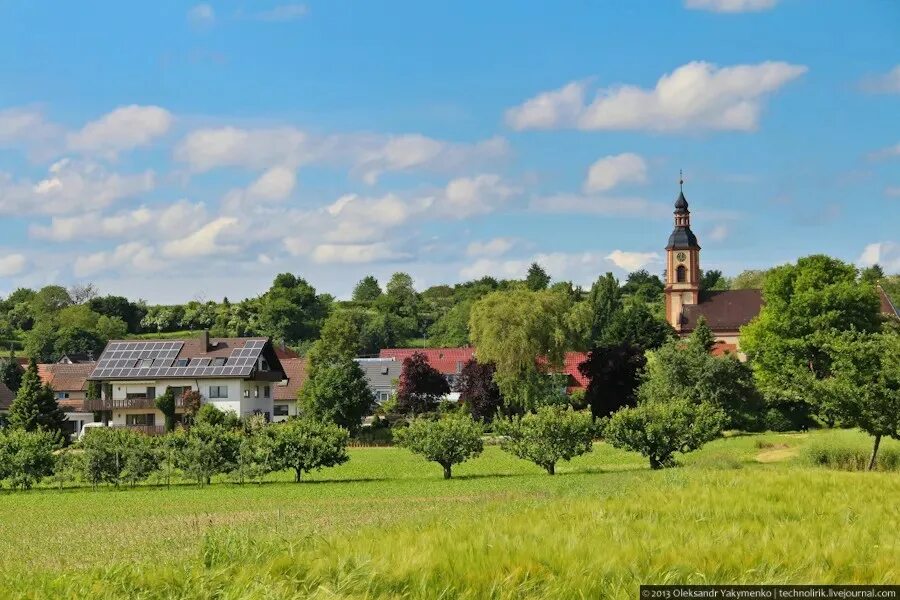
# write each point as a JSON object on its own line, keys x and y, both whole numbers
{"x": 201, "y": 15}
{"x": 275, "y": 184}
{"x": 205, "y": 241}
{"x": 145, "y": 223}
{"x": 12, "y": 264}
{"x": 730, "y": 6}
{"x": 25, "y": 126}
{"x": 889, "y": 83}
{"x": 886, "y": 254}
{"x": 124, "y": 128}
{"x": 133, "y": 256}
{"x": 600, "y": 205}
{"x": 469, "y": 196}
{"x": 70, "y": 187}
{"x": 698, "y": 95}
{"x": 356, "y": 253}
{"x": 718, "y": 233}
{"x": 892, "y": 191}
{"x": 632, "y": 261}
{"x": 369, "y": 156}
{"x": 494, "y": 247}
{"x": 889, "y": 152}
{"x": 610, "y": 171}
{"x": 581, "y": 267}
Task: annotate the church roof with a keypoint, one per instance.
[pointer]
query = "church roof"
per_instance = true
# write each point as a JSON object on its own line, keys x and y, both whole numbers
{"x": 682, "y": 237}
{"x": 723, "y": 311}
{"x": 887, "y": 306}
{"x": 681, "y": 204}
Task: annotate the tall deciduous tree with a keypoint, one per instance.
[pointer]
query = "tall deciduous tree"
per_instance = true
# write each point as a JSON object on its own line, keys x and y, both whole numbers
{"x": 614, "y": 373}
{"x": 421, "y": 386}
{"x": 478, "y": 391}
{"x": 35, "y": 406}
{"x": 802, "y": 303}
{"x": 367, "y": 290}
{"x": 291, "y": 311}
{"x": 339, "y": 394}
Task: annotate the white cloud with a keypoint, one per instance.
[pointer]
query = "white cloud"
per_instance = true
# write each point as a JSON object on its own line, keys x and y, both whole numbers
{"x": 144, "y": 223}
{"x": 12, "y": 264}
{"x": 494, "y": 247}
{"x": 134, "y": 256}
{"x": 284, "y": 12}
{"x": 356, "y": 253}
{"x": 204, "y": 241}
{"x": 368, "y": 155}
{"x": 549, "y": 109}
{"x": 889, "y": 83}
{"x": 469, "y": 196}
{"x": 632, "y": 261}
{"x": 730, "y": 6}
{"x": 201, "y": 14}
{"x": 275, "y": 184}
{"x": 25, "y": 126}
{"x": 888, "y": 152}
{"x": 886, "y": 254}
{"x": 600, "y": 205}
{"x": 70, "y": 187}
{"x": 698, "y": 95}
{"x": 124, "y": 128}
{"x": 610, "y": 171}
{"x": 892, "y": 191}
{"x": 579, "y": 267}
{"x": 718, "y": 233}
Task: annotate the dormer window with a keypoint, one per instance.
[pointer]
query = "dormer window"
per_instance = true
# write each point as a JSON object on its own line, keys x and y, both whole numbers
{"x": 219, "y": 362}
{"x": 144, "y": 363}
{"x": 182, "y": 362}
{"x": 263, "y": 364}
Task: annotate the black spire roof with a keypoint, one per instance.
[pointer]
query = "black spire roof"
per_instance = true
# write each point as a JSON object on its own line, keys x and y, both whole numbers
{"x": 682, "y": 237}
{"x": 681, "y": 204}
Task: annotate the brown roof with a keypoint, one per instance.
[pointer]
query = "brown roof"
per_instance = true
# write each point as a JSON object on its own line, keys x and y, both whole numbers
{"x": 295, "y": 370}
{"x": 6, "y": 396}
{"x": 887, "y": 307}
{"x": 64, "y": 377}
{"x": 723, "y": 311}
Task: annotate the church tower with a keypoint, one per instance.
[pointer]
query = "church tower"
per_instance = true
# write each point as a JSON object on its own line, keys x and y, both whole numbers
{"x": 682, "y": 264}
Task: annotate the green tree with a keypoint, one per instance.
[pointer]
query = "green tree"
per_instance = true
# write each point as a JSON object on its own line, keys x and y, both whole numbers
{"x": 712, "y": 281}
{"x": 644, "y": 287}
{"x": 659, "y": 430}
{"x": 545, "y": 437}
{"x": 749, "y": 280}
{"x": 452, "y": 328}
{"x": 447, "y": 441}
{"x": 638, "y": 326}
{"x": 209, "y": 449}
{"x": 872, "y": 274}
{"x": 35, "y": 406}
{"x": 306, "y": 444}
{"x": 339, "y": 394}
{"x": 603, "y": 302}
{"x": 26, "y": 457}
{"x": 11, "y": 373}
{"x": 291, "y": 311}
{"x": 865, "y": 384}
{"x": 255, "y": 452}
{"x": 524, "y": 333}
{"x": 367, "y": 290}
{"x": 421, "y": 386}
{"x": 803, "y": 304}
{"x": 165, "y": 403}
{"x": 537, "y": 278}
{"x": 113, "y": 454}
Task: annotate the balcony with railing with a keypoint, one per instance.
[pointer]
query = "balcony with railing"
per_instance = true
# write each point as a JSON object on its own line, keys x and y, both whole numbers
{"x": 132, "y": 401}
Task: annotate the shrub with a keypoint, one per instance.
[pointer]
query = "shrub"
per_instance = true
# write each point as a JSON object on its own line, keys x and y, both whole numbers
{"x": 26, "y": 457}
{"x": 660, "y": 429}
{"x": 447, "y": 441}
{"x": 850, "y": 456}
{"x": 166, "y": 405}
{"x": 552, "y": 434}
{"x": 306, "y": 444}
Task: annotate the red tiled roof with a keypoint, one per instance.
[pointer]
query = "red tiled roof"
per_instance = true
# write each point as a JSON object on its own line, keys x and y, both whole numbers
{"x": 64, "y": 377}
{"x": 887, "y": 307}
{"x": 722, "y": 348}
{"x": 295, "y": 371}
{"x": 723, "y": 311}
{"x": 285, "y": 353}
{"x": 446, "y": 360}
{"x": 449, "y": 360}
{"x": 6, "y": 396}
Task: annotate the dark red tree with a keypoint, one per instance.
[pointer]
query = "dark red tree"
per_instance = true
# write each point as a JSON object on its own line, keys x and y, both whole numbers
{"x": 478, "y": 391}
{"x": 421, "y": 386}
{"x": 614, "y": 372}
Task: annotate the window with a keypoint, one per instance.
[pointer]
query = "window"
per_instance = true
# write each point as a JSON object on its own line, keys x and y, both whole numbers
{"x": 681, "y": 274}
{"x": 219, "y": 362}
{"x": 182, "y": 362}
{"x": 267, "y": 391}
{"x": 218, "y": 391}
{"x": 256, "y": 392}
{"x": 263, "y": 364}
{"x": 148, "y": 419}
{"x": 246, "y": 393}
{"x": 144, "y": 363}
{"x": 281, "y": 410}
{"x": 62, "y": 395}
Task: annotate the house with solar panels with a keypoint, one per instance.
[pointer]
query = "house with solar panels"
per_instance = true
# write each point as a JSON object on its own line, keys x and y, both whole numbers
{"x": 232, "y": 374}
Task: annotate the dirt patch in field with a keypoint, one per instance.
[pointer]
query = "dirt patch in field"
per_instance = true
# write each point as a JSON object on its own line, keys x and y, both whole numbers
{"x": 776, "y": 453}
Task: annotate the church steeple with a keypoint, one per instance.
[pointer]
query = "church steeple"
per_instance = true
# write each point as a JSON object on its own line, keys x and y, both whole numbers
{"x": 682, "y": 262}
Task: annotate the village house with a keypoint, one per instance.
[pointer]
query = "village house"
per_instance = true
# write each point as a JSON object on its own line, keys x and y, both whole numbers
{"x": 69, "y": 383}
{"x": 286, "y": 391}
{"x": 233, "y": 374}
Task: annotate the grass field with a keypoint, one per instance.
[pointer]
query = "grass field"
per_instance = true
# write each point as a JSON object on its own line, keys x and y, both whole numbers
{"x": 745, "y": 509}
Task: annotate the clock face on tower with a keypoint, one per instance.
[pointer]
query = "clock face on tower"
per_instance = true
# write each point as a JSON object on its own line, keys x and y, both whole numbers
{"x": 681, "y": 256}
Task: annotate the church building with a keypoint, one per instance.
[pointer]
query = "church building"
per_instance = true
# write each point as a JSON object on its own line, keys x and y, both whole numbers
{"x": 725, "y": 312}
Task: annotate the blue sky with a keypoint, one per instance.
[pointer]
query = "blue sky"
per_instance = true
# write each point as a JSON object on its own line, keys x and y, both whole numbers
{"x": 174, "y": 150}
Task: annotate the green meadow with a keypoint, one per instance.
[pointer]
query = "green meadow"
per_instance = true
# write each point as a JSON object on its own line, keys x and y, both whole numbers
{"x": 745, "y": 509}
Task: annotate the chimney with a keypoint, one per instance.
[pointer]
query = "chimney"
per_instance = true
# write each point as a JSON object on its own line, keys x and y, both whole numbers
{"x": 204, "y": 339}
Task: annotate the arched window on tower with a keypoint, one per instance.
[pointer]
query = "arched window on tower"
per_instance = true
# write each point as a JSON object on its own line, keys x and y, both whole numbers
{"x": 681, "y": 274}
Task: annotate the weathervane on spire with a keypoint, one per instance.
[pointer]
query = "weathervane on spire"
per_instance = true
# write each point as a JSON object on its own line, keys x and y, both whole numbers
{"x": 680, "y": 180}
